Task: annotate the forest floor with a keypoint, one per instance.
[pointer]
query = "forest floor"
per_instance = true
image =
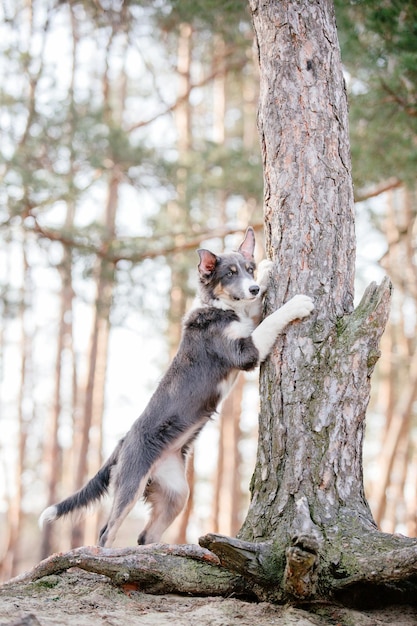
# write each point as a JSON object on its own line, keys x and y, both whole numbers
{"x": 77, "y": 597}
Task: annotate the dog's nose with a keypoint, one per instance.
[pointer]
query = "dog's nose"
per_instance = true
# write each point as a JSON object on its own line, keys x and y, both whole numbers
{"x": 254, "y": 290}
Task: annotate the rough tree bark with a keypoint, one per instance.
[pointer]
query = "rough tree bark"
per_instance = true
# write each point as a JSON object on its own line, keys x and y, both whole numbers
{"x": 309, "y": 521}
{"x": 309, "y": 533}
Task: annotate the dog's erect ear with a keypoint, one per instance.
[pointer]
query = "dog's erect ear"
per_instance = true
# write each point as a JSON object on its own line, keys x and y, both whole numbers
{"x": 208, "y": 262}
{"x": 247, "y": 246}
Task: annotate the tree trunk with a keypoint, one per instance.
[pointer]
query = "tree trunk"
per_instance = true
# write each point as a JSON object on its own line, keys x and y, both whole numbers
{"x": 390, "y": 493}
{"x": 178, "y": 218}
{"x": 309, "y": 528}
{"x": 89, "y": 458}
{"x": 310, "y": 237}
{"x": 12, "y": 554}
{"x": 227, "y": 488}
{"x": 53, "y": 450}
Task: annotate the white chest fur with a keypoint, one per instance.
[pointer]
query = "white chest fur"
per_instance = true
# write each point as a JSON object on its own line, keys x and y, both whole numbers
{"x": 243, "y": 327}
{"x": 236, "y": 330}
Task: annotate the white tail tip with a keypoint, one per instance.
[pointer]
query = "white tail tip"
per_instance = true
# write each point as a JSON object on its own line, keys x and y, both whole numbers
{"x": 49, "y": 515}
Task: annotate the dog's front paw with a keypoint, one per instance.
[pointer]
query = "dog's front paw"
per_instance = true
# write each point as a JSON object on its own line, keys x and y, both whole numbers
{"x": 264, "y": 272}
{"x": 265, "y": 266}
{"x": 299, "y": 306}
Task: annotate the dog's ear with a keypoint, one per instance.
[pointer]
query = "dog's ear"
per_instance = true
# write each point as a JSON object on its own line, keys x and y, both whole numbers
{"x": 247, "y": 246}
{"x": 208, "y": 262}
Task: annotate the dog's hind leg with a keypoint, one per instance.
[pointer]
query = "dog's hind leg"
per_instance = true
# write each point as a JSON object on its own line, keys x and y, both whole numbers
{"x": 125, "y": 497}
{"x": 167, "y": 493}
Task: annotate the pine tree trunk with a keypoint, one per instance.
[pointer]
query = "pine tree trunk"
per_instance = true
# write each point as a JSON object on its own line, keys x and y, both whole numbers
{"x": 89, "y": 457}
{"x": 12, "y": 553}
{"x": 178, "y": 218}
{"x": 53, "y": 450}
{"x": 309, "y": 529}
{"x": 227, "y": 484}
{"x": 390, "y": 493}
{"x": 310, "y": 237}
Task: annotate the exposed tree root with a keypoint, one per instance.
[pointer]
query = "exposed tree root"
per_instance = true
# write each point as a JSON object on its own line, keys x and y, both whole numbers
{"x": 306, "y": 570}
{"x": 156, "y": 568}
{"x": 309, "y": 569}
{"x": 301, "y": 568}
{"x": 258, "y": 563}
{"x": 243, "y": 557}
{"x": 391, "y": 567}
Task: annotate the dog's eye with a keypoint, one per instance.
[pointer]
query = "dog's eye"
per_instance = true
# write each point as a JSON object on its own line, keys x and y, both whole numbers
{"x": 230, "y": 274}
{"x": 250, "y": 270}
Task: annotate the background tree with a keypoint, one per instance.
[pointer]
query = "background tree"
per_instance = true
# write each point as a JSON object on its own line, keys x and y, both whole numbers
{"x": 380, "y": 54}
{"x": 379, "y": 50}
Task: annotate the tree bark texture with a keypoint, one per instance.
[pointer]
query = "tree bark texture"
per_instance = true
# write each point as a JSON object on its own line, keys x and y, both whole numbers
{"x": 308, "y": 510}
{"x": 315, "y": 387}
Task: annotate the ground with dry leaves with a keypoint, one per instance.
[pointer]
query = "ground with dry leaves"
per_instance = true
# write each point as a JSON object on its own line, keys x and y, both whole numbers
{"x": 87, "y": 599}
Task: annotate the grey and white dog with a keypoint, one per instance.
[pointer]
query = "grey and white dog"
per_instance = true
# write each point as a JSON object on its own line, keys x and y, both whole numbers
{"x": 221, "y": 336}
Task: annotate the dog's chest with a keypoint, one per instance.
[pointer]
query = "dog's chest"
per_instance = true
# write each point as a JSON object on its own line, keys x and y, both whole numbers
{"x": 238, "y": 329}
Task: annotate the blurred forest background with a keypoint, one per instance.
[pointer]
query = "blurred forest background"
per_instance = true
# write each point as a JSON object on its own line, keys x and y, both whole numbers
{"x": 128, "y": 138}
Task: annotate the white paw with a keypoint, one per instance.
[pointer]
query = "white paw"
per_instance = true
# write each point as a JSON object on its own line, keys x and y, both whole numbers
{"x": 299, "y": 306}
{"x": 264, "y": 272}
{"x": 265, "y": 266}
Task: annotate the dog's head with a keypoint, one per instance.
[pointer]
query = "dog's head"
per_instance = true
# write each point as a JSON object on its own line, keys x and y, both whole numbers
{"x": 228, "y": 278}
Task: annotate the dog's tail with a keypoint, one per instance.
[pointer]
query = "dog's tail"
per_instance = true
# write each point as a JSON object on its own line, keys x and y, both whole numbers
{"x": 94, "y": 490}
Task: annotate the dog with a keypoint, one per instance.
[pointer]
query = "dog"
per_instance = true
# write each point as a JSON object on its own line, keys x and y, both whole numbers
{"x": 222, "y": 335}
